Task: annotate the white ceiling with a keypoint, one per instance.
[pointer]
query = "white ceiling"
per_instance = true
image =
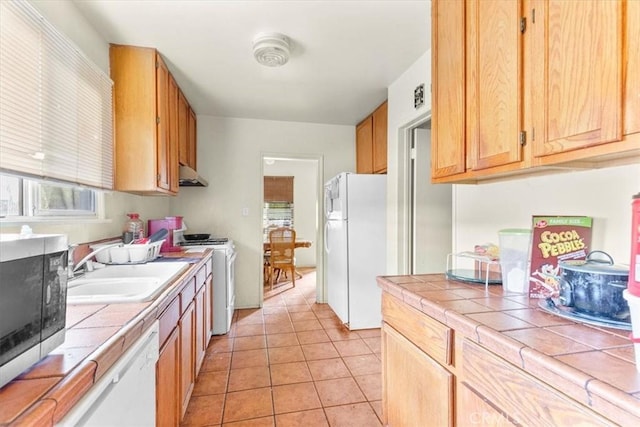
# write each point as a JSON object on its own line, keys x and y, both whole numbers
{"x": 344, "y": 55}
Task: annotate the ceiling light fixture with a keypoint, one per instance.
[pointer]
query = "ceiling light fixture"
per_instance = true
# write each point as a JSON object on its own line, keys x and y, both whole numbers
{"x": 271, "y": 49}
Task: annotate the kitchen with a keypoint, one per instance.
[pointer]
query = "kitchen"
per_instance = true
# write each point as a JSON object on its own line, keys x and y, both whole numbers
{"x": 479, "y": 210}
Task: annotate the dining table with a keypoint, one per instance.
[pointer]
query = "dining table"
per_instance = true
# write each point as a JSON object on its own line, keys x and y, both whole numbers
{"x": 300, "y": 243}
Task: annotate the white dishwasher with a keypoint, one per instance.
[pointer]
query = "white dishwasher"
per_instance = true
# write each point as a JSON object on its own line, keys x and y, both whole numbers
{"x": 126, "y": 394}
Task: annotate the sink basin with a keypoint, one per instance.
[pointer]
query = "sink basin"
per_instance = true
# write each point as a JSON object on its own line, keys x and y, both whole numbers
{"x": 123, "y": 283}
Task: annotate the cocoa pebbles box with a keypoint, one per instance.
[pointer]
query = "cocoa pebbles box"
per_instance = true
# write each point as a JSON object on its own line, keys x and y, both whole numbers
{"x": 554, "y": 239}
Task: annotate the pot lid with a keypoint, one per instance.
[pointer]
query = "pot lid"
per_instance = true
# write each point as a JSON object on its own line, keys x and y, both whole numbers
{"x": 597, "y": 264}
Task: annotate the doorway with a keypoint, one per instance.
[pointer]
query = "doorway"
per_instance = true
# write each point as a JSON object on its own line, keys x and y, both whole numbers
{"x": 305, "y": 209}
{"x": 428, "y": 214}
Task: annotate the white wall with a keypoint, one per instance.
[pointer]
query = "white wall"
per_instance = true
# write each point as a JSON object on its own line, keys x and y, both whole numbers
{"x": 230, "y": 154}
{"x": 67, "y": 19}
{"x": 305, "y": 199}
{"x": 604, "y": 194}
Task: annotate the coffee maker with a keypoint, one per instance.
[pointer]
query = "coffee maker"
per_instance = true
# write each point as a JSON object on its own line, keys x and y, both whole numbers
{"x": 171, "y": 223}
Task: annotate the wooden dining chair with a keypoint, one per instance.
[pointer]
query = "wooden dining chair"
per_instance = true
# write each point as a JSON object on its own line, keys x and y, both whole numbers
{"x": 282, "y": 244}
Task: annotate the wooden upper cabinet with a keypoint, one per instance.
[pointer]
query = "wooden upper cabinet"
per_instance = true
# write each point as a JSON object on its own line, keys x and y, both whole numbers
{"x": 142, "y": 149}
{"x": 379, "y": 148}
{"x": 371, "y": 142}
{"x": 494, "y": 79}
{"x": 183, "y": 129}
{"x": 448, "y": 147}
{"x": 632, "y": 70}
{"x": 577, "y": 86}
{"x": 173, "y": 132}
{"x": 364, "y": 146}
{"x": 191, "y": 139}
{"x": 162, "y": 142}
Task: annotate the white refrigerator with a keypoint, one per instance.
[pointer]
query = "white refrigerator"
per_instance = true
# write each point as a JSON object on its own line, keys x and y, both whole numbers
{"x": 355, "y": 247}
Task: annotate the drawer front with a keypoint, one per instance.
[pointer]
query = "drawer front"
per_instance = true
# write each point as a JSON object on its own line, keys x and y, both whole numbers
{"x": 518, "y": 395}
{"x": 168, "y": 320}
{"x": 201, "y": 277}
{"x": 187, "y": 294}
{"x": 428, "y": 334}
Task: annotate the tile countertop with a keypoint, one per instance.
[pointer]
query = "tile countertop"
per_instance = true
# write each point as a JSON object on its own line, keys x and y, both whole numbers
{"x": 96, "y": 336}
{"x": 593, "y": 365}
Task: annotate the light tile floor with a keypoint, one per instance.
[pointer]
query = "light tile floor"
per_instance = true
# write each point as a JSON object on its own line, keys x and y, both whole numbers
{"x": 290, "y": 363}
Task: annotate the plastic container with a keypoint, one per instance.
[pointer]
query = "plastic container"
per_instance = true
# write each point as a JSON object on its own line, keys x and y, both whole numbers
{"x": 634, "y": 265}
{"x": 515, "y": 259}
{"x": 634, "y": 309}
{"x": 133, "y": 228}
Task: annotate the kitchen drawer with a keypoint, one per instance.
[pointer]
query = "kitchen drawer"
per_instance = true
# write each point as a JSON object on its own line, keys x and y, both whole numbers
{"x": 168, "y": 320}
{"x": 428, "y": 334}
{"x": 201, "y": 277}
{"x": 526, "y": 400}
{"x": 187, "y": 294}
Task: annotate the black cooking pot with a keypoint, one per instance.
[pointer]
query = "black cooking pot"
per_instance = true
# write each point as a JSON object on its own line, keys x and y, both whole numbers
{"x": 192, "y": 237}
{"x": 594, "y": 286}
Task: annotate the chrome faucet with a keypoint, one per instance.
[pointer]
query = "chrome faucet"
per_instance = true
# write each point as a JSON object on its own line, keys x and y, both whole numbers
{"x": 70, "y": 254}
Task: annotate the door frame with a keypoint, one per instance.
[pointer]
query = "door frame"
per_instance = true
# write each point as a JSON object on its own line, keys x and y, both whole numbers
{"x": 405, "y": 136}
{"x": 321, "y": 292}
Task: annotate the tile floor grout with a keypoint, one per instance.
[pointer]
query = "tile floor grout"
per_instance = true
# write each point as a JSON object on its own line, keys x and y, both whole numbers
{"x": 273, "y": 370}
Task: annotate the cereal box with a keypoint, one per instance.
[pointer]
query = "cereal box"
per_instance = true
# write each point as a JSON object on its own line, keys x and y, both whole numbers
{"x": 554, "y": 239}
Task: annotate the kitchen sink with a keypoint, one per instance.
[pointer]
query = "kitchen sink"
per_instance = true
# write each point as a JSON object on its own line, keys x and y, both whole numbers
{"x": 123, "y": 283}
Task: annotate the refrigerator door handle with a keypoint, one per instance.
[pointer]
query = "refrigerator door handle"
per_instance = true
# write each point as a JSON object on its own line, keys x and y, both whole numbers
{"x": 326, "y": 237}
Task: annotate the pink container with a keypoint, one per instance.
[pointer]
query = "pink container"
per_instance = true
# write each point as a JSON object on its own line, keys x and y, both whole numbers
{"x": 634, "y": 265}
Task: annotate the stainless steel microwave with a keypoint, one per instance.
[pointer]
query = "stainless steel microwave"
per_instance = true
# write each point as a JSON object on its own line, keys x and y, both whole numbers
{"x": 33, "y": 299}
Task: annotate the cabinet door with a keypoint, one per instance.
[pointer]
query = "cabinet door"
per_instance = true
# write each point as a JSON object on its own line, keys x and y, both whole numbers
{"x": 364, "y": 146}
{"x": 494, "y": 82}
{"x": 173, "y": 133}
{"x": 208, "y": 316}
{"x": 187, "y": 356}
{"x": 448, "y": 149}
{"x": 192, "y": 139}
{"x": 416, "y": 390}
{"x": 632, "y": 69}
{"x": 200, "y": 329}
{"x": 162, "y": 133}
{"x": 473, "y": 409}
{"x": 168, "y": 382}
{"x": 577, "y": 78}
{"x": 183, "y": 129}
{"x": 380, "y": 139}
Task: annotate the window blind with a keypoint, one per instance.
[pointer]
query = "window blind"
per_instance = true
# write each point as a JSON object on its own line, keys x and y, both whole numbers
{"x": 55, "y": 104}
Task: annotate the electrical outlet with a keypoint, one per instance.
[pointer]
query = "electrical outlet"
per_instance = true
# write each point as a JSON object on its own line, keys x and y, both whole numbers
{"x": 245, "y": 211}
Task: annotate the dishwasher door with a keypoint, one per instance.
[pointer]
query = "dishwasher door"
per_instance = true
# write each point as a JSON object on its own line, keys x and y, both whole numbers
{"x": 126, "y": 394}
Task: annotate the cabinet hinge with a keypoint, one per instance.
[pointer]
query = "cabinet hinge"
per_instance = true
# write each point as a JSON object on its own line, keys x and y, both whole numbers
{"x": 523, "y": 137}
{"x": 523, "y": 24}
{"x": 157, "y": 120}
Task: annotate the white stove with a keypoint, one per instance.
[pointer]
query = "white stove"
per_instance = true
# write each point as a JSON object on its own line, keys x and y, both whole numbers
{"x": 223, "y": 270}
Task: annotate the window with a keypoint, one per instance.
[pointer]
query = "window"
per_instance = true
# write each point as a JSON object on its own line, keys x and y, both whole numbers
{"x": 55, "y": 109}
{"x": 20, "y": 197}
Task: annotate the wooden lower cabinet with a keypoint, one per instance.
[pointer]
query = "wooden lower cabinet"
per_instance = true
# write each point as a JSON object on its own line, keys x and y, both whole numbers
{"x": 185, "y": 331}
{"x": 187, "y": 356}
{"x": 168, "y": 380}
{"x": 478, "y": 388}
{"x": 426, "y": 387}
{"x": 201, "y": 335}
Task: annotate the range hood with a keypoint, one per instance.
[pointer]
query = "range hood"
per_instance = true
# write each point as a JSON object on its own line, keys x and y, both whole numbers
{"x": 190, "y": 178}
